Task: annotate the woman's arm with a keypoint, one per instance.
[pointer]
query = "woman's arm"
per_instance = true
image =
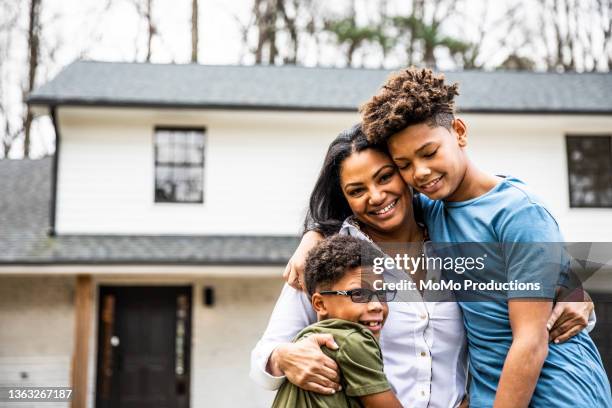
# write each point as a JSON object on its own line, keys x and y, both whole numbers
{"x": 275, "y": 355}
{"x": 305, "y": 365}
{"x": 571, "y": 314}
{"x": 294, "y": 272}
{"x": 526, "y": 355}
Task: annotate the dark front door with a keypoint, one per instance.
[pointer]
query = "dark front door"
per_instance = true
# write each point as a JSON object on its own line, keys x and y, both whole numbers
{"x": 144, "y": 338}
{"x": 602, "y": 333}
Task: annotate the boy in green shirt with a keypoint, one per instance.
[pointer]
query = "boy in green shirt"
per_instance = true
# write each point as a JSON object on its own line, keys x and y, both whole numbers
{"x": 354, "y": 315}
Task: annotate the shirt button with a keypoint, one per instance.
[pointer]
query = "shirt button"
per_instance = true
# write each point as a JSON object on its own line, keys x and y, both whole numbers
{"x": 423, "y": 393}
{"x": 423, "y": 354}
{"x": 423, "y": 316}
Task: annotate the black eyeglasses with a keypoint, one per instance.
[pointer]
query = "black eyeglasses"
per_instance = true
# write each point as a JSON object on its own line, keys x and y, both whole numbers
{"x": 363, "y": 295}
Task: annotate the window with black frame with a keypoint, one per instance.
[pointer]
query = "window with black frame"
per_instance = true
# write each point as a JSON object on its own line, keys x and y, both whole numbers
{"x": 179, "y": 165}
{"x": 589, "y": 160}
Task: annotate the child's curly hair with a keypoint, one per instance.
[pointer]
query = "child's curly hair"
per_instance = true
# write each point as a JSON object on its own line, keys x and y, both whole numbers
{"x": 409, "y": 97}
{"x": 333, "y": 257}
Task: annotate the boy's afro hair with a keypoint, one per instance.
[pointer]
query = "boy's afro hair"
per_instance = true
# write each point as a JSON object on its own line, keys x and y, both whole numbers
{"x": 411, "y": 96}
{"x": 329, "y": 261}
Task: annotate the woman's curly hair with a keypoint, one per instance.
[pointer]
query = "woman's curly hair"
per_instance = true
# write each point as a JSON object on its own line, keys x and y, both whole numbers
{"x": 411, "y": 96}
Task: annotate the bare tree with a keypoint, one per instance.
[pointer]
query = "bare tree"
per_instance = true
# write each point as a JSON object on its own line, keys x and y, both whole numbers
{"x": 506, "y": 31}
{"x": 144, "y": 8}
{"x": 277, "y": 28}
{"x": 34, "y": 31}
{"x": 351, "y": 35}
{"x": 29, "y": 28}
{"x": 385, "y": 41}
{"x": 576, "y": 34}
{"x": 298, "y": 21}
{"x": 17, "y": 118}
{"x": 244, "y": 29}
{"x": 9, "y": 129}
{"x": 265, "y": 24}
{"x": 194, "y": 31}
{"x": 601, "y": 12}
{"x": 422, "y": 31}
{"x": 290, "y": 19}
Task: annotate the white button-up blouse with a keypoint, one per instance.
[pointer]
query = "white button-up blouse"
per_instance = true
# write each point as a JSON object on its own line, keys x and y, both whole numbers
{"x": 423, "y": 345}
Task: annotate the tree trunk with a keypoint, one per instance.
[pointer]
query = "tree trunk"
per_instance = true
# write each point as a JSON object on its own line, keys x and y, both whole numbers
{"x": 272, "y": 12}
{"x": 7, "y": 141}
{"x": 33, "y": 55}
{"x": 558, "y": 36}
{"x": 261, "y": 32}
{"x": 604, "y": 9}
{"x": 150, "y": 28}
{"x": 571, "y": 65}
{"x": 272, "y": 50}
{"x": 194, "y": 31}
{"x": 265, "y": 12}
{"x": 290, "y": 23}
{"x": 350, "y": 52}
{"x": 417, "y": 12}
{"x": 429, "y": 58}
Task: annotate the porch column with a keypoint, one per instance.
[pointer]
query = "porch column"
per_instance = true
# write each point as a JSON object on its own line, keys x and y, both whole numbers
{"x": 83, "y": 303}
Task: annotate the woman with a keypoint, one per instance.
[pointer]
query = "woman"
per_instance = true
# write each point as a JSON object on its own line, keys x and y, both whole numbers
{"x": 423, "y": 343}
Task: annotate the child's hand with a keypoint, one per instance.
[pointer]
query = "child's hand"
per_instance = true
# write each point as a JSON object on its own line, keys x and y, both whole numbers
{"x": 305, "y": 365}
{"x": 294, "y": 272}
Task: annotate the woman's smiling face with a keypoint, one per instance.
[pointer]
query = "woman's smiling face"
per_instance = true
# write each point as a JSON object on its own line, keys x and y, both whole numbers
{"x": 375, "y": 191}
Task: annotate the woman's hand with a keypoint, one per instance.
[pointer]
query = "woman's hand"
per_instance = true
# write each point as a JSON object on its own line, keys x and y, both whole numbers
{"x": 465, "y": 403}
{"x": 568, "y": 319}
{"x": 305, "y": 365}
{"x": 294, "y": 272}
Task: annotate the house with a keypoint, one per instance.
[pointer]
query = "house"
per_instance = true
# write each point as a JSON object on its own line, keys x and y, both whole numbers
{"x": 140, "y": 263}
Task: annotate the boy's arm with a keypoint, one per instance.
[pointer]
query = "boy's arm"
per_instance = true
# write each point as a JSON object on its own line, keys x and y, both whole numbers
{"x": 385, "y": 399}
{"x": 527, "y": 353}
{"x": 360, "y": 361}
{"x": 533, "y": 250}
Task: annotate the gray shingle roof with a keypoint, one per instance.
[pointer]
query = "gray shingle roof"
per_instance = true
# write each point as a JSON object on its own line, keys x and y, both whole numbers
{"x": 24, "y": 222}
{"x": 300, "y": 88}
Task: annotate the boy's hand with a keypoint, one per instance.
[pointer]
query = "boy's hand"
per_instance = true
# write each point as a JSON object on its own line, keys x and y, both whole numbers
{"x": 568, "y": 319}
{"x": 305, "y": 365}
{"x": 294, "y": 272}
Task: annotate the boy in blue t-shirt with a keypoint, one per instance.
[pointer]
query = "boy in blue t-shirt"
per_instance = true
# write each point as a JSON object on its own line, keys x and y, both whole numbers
{"x": 511, "y": 362}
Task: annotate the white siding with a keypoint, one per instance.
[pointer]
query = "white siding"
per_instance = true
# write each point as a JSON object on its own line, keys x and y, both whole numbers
{"x": 260, "y": 168}
{"x": 533, "y": 149}
{"x": 223, "y": 337}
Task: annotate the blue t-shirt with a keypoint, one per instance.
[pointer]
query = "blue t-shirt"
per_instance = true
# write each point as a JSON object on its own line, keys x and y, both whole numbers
{"x": 573, "y": 374}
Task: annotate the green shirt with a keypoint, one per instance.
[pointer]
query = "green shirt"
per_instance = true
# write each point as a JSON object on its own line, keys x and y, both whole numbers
{"x": 361, "y": 367}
